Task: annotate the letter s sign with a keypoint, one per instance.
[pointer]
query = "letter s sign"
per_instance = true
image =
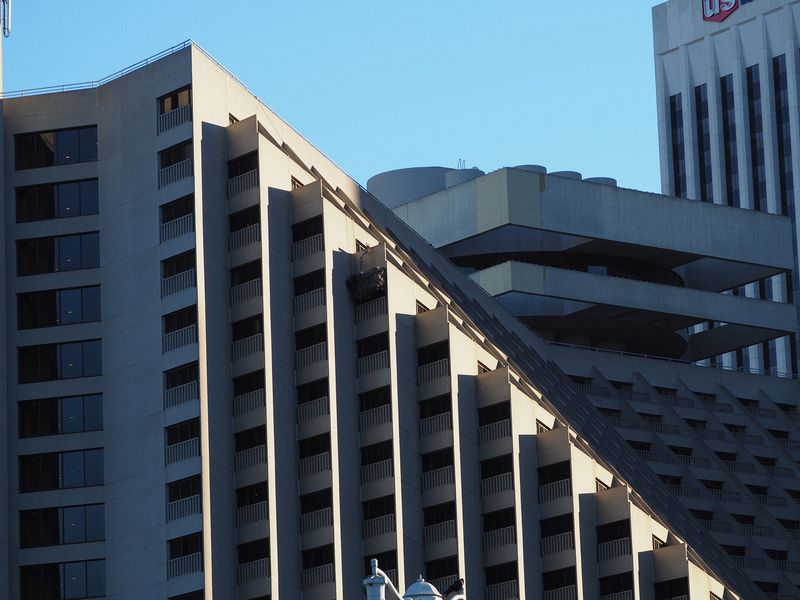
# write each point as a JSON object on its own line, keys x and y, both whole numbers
{"x": 719, "y": 10}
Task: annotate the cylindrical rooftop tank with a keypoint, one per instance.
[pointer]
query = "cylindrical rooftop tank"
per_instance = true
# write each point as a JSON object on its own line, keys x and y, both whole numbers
{"x": 533, "y": 168}
{"x": 398, "y": 187}
{"x": 603, "y": 180}
{"x": 568, "y": 174}
{"x": 457, "y": 176}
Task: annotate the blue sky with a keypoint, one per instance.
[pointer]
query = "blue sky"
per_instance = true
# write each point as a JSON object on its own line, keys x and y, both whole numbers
{"x": 383, "y": 85}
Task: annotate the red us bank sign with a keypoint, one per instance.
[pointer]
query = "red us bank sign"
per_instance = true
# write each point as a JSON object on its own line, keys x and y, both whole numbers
{"x": 719, "y": 10}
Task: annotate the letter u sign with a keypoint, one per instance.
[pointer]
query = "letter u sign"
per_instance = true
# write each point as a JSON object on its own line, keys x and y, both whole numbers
{"x": 718, "y": 10}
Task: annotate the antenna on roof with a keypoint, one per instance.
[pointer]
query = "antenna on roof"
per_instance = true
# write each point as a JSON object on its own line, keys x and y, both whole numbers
{"x": 6, "y": 17}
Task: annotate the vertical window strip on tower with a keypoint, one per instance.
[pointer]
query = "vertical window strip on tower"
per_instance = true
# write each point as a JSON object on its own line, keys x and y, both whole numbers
{"x": 759, "y": 176}
{"x": 678, "y": 154}
{"x": 703, "y": 143}
{"x": 783, "y": 133}
{"x": 729, "y": 141}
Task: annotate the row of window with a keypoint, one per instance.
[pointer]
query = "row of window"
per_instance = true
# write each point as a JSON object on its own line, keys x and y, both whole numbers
{"x": 60, "y": 470}
{"x": 65, "y": 525}
{"x": 60, "y": 147}
{"x": 64, "y": 581}
{"x": 52, "y": 254}
{"x": 53, "y": 416}
{"x": 755, "y": 124}
{"x": 50, "y": 308}
{"x": 51, "y": 362}
{"x": 57, "y": 200}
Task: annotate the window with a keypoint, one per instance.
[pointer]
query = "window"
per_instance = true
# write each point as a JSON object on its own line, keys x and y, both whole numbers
{"x": 250, "y": 438}
{"x": 53, "y": 254}
{"x": 252, "y": 551}
{"x": 185, "y": 546}
{"x": 553, "y": 580}
{"x": 782, "y": 110}
{"x": 374, "y": 398}
{"x": 433, "y": 353}
{"x": 243, "y": 164}
{"x": 66, "y": 525}
{"x": 613, "y": 531}
{"x": 556, "y": 525}
{"x": 372, "y": 345}
{"x": 501, "y": 573}
{"x": 442, "y": 567}
{"x": 247, "y": 327}
{"x": 312, "y": 336}
{"x": 311, "y": 391}
{"x": 756, "y": 138}
{"x": 59, "y": 361}
{"x": 253, "y": 494}
{"x": 180, "y": 319}
{"x": 494, "y": 413}
{"x": 499, "y": 519}
{"x": 52, "y": 416}
{"x": 703, "y": 143}
{"x": 678, "y": 154}
{"x": 58, "y": 307}
{"x": 317, "y": 557}
{"x": 615, "y": 584}
{"x": 435, "y": 406}
{"x": 245, "y": 273}
{"x": 439, "y": 513}
{"x": 183, "y": 488}
{"x": 175, "y": 154}
{"x": 49, "y": 148}
{"x": 178, "y": 264}
{"x": 174, "y": 100}
{"x": 177, "y": 209}
{"x": 379, "y": 507}
{"x": 674, "y": 588}
{"x": 313, "y": 446}
{"x": 60, "y": 470}
{"x": 729, "y": 140}
{"x": 310, "y": 282}
{"x": 64, "y": 581}
{"x": 435, "y": 460}
{"x": 182, "y": 432}
{"x": 377, "y": 453}
{"x": 296, "y": 183}
{"x": 555, "y": 472}
{"x": 180, "y": 376}
{"x": 306, "y": 229}
{"x": 249, "y": 382}
{"x": 57, "y": 200}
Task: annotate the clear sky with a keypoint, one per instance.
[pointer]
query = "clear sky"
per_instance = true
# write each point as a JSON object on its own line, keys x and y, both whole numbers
{"x": 381, "y": 85}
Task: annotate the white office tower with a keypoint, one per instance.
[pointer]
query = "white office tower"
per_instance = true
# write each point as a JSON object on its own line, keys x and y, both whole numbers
{"x": 729, "y": 127}
{"x": 231, "y": 373}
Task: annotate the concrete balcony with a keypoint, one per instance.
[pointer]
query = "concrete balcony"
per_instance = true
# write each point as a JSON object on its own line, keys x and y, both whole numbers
{"x": 308, "y": 246}
{"x": 184, "y": 565}
{"x": 308, "y": 411}
{"x": 497, "y": 484}
{"x": 318, "y": 576}
{"x": 377, "y": 471}
{"x": 439, "y": 532}
{"x": 614, "y": 548}
{"x": 244, "y": 403}
{"x": 433, "y": 371}
{"x": 569, "y": 592}
{"x": 177, "y": 227}
{"x": 626, "y": 595}
{"x": 312, "y": 354}
{"x": 555, "y": 490}
{"x": 256, "y": 569}
{"x": 379, "y": 526}
{"x": 181, "y": 394}
{"x": 182, "y": 451}
{"x": 244, "y": 237}
{"x": 251, "y": 457}
{"x": 184, "y": 507}
{"x": 375, "y": 417}
{"x": 373, "y": 363}
{"x": 316, "y": 520}
{"x": 178, "y": 338}
{"x": 251, "y": 513}
{"x": 247, "y": 346}
{"x": 443, "y": 583}
{"x": 497, "y": 538}
{"x": 243, "y": 182}
{"x": 495, "y": 431}
{"x": 177, "y": 283}
{"x": 726, "y": 495}
{"x": 174, "y": 173}
{"x": 436, "y": 424}
{"x": 507, "y": 590}
{"x": 558, "y": 543}
{"x": 311, "y": 465}
{"x": 684, "y": 490}
{"x": 246, "y": 291}
{"x": 309, "y": 301}
{"x": 438, "y": 478}
{"x": 173, "y": 118}
{"x": 370, "y": 310}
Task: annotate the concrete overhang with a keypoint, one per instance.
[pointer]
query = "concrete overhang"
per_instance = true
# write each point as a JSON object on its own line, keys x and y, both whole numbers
{"x": 577, "y": 286}
{"x": 593, "y": 211}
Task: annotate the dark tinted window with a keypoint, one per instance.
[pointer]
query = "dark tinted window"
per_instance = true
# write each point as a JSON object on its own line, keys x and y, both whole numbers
{"x": 48, "y": 148}
{"x": 57, "y": 200}
{"x": 51, "y": 416}
{"x": 67, "y": 525}
{"x": 51, "y": 254}
{"x": 243, "y": 164}
{"x": 59, "y": 361}
{"x": 59, "y": 470}
{"x": 175, "y": 154}
{"x": 177, "y": 209}
{"x": 58, "y": 307}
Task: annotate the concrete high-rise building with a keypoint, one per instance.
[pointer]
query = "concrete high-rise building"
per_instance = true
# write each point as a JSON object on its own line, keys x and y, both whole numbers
{"x": 232, "y": 373}
{"x": 729, "y": 127}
